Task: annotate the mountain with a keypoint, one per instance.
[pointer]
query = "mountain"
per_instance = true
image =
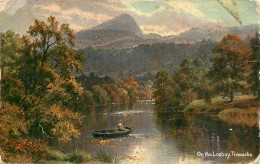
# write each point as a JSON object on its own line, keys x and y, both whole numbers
{"x": 191, "y": 36}
{"x": 120, "y": 31}
{"x": 216, "y": 34}
{"x": 123, "y": 32}
{"x": 122, "y": 22}
{"x": 118, "y": 48}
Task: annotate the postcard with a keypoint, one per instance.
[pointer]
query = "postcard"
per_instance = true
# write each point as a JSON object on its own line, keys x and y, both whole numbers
{"x": 129, "y": 81}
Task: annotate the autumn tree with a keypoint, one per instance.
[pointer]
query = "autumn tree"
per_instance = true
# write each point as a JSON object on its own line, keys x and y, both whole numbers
{"x": 39, "y": 75}
{"x": 229, "y": 69}
{"x": 49, "y": 56}
{"x": 131, "y": 85}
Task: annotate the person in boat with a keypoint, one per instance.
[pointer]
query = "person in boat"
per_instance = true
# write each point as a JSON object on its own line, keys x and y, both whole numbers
{"x": 120, "y": 126}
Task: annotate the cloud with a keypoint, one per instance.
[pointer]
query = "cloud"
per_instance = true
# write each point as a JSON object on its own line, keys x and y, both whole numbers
{"x": 114, "y": 7}
{"x": 161, "y": 29}
{"x": 187, "y": 7}
{"x": 145, "y": 8}
{"x": 3, "y": 4}
{"x": 76, "y": 27}
{"x": 123, "y": 7}
{"x": 138, "y": 7}
{"x": 70, "y": 13}
{"x": 11, "y": 6}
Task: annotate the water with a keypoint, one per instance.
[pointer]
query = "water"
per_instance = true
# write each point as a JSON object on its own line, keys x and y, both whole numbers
{"x": 157, "y": 138}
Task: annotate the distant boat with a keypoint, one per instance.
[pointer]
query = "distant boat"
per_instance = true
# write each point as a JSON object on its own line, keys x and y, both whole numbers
{"x": 112, "y": 133}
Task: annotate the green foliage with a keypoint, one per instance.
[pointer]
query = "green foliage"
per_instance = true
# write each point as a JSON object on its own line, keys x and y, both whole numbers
{"x": 235, "y": 111}
{"x": 161, "y": 86}
{"x": 88, "y": 98}
{"x": 76, "y": 156}
{"x": 79, "y": 157}
{"x": 105, "y": 157}
{"x": 11, "y": 44}
{"x": 57, "y": 155}
{"x": 229, "y": 67}
{"x": 253, "y": 79}
{"x": 240, "y": 105}
{"x": 100, "y": 95}
{"x": 183, "y": 86}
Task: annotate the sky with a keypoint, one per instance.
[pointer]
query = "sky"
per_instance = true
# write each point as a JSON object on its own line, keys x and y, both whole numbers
{"x": 164, "y": 17}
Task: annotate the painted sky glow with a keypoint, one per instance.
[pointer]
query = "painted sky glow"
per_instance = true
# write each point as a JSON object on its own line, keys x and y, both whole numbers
{"x": 164, "y": 17}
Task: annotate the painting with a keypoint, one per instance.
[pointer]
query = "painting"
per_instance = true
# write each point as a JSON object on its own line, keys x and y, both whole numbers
{"x": 129, "y": 81}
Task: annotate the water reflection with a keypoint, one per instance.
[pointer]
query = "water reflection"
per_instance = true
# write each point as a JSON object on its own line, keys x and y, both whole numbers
{"x": 160, "y": 138}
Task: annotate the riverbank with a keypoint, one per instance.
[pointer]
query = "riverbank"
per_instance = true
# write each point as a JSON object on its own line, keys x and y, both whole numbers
{"x": 245, "y": 104}
{"x": 53, "y": 155}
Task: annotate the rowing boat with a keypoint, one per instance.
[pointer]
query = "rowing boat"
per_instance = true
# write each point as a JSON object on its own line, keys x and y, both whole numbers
{"x": 112, "y": 133}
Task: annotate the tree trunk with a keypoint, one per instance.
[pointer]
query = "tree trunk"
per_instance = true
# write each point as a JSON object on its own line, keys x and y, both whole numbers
{"x": 231, "y": 95}
{"x": 259, "y": 87}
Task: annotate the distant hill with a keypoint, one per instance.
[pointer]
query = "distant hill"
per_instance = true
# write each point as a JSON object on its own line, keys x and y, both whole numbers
{"x": 123, "y": 32}
{"x": 145, "y": 60}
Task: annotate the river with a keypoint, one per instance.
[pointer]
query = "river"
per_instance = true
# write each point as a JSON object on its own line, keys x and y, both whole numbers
{"x": 159, "y": 138}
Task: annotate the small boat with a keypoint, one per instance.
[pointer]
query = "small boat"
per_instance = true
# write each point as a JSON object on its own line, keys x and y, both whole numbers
{"x": 112, "y": 133}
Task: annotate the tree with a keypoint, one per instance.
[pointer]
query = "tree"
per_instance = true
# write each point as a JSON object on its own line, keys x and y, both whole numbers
{"x": 131, "y": 85}
{"x": 161, "y": 87}
{"x": 48, "y": 53}
{"x": 254, "y": 62}
{"x": 11, "y": 44}
{"x": 100, "y": 95}
{"x": 190, "y": 82}
{"x": 39, "y": 75}
{"x": 229, "y": 69}
{"x": 11, "y": 85}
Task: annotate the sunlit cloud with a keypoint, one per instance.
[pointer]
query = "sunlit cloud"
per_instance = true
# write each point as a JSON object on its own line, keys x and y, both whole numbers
{"x": 114, "y": 7}
{"x": 187, "y": 7}
{"x": 145, "y": 8}
{"x": 161, "y": 30}
{"x": 76, "y": 27}
{"x": 69, "y": 14}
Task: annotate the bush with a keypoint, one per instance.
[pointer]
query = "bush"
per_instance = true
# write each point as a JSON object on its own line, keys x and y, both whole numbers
{"x": 105, "y": 157}
{"x": 76, "y": 156}
{"x": 56, "y": 155}
{"x": 235, "y": 111}
{"x": 79, "y": 157}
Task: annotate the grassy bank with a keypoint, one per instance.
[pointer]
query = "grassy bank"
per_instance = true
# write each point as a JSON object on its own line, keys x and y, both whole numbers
{"x": 52, "y": 155}
{"x": 77, "y": 156}
{"x": 241, "y": 105}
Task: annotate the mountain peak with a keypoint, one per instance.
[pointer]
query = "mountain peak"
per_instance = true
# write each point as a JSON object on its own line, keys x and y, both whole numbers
{"x": 124, "y": 16}
{"x": 123, "y": 22}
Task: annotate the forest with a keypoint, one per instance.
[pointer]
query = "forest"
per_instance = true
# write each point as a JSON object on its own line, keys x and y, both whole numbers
{"x": 234, "y": 72}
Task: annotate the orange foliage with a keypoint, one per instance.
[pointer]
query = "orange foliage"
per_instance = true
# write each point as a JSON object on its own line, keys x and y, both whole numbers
{"x": 11, "y": 120}
{"x": 24, "y": 146}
